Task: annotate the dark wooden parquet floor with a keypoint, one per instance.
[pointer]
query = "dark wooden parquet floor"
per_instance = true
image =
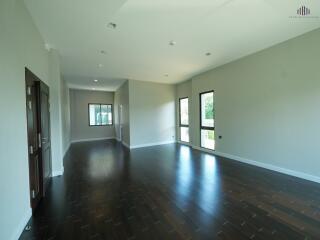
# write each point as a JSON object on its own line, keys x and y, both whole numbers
{"x": 172, "y": 192}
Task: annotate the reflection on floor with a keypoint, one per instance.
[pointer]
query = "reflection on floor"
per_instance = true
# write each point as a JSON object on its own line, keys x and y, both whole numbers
{"x": 172, "y": 192}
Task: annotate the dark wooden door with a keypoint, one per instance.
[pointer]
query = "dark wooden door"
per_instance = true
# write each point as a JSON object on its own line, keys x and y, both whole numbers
{"x": 45, "y": 134}
{"x": 39, "y": 141}
{"x": 35, "y": 175}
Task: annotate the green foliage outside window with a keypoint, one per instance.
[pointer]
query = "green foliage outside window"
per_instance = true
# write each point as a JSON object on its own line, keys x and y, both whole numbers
{"x": 211, "y": 135}
{"x": 209, "y": 110}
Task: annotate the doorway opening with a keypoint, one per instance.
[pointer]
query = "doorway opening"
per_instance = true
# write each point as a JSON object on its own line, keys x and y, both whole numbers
{"x": 39, "y": 140}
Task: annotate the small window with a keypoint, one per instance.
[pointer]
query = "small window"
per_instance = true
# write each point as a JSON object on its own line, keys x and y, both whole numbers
{"x": 100, "y": 114}
{"x": 207, "y": 120}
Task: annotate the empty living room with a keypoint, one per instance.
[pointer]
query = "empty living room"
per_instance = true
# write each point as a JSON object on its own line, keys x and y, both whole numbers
{"x": 160, "y": 119}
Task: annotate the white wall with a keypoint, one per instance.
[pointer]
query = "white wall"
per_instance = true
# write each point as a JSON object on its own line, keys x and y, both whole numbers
{"x": 65, "y": 115}
{"x": 152, "y": 113}
{"x": 20, "y": 45}
{"x": 56, "y": 87}
{"x": 267, "y": 106}
{"x": 80, "y": 129}
{"x": 121, "y": 97}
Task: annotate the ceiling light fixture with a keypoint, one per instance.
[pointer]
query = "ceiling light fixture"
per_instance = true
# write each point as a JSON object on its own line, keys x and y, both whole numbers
{"x": 112, "y": 25}
{"x": 208, "y": 54}
{"x": 100, "y": 65}
{"x": 103, "y": 52}
{"x": 166, "y": 75}
{"x": 172, "y": 43}
{"x": 95, "y": 80}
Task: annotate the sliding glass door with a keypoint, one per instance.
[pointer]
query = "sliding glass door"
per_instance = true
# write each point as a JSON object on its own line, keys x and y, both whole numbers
{"x": 207, "y": 120}
{"x": 184, "y": 119}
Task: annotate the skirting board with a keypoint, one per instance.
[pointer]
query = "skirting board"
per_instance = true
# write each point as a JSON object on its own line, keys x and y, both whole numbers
{"x": 151, "y": 144}
{"x": 22, "y": 224}
{"x": 91, "y": 139}
{"x": 286, "y": 171}
{"x": 125, "y": 144}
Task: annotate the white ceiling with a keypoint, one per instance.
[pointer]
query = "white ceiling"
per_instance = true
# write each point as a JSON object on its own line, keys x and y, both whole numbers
{"x": 139, "y": 47}
{"x": 88, "y": 83}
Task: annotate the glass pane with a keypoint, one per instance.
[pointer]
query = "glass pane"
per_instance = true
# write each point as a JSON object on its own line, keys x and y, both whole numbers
{"x": 207, "y": 139}
{"x": 94, "y": 114}
{"x": 207, "y": 110}
{"x": 106, "y": 114}
{"x": 184, "y": 134}
{"x": 184, "y": 111}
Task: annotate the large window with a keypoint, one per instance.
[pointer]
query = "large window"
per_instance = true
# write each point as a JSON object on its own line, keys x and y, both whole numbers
{"x": 100, "y": 114}
{"x": 184, "y": 119}
{"x": 207, "y": 120}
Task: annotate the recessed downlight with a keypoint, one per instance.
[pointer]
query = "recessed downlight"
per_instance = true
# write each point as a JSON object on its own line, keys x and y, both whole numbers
{"x": 172, "y": 43}
{"x": 103, "y": 52}
{"x": 100, "y": 65}
{"x": 112, "y": 25}
{"x": 208, "y": 54}
{"x": 166, "y": 75}
{"x": 95, "y": 80}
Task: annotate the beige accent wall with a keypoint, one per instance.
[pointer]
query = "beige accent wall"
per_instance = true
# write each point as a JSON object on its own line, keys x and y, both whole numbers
{"x": 80, "y": 129}
{"x": 267, "y": 105}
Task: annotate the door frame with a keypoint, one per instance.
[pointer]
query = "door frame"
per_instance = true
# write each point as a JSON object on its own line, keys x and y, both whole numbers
{"x": 38, "y": 87}
{"x": 43, "y": 88}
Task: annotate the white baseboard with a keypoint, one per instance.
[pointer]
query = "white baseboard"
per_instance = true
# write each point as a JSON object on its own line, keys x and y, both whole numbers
{"x": 125, "y": 144}
{"x": 91, "y": 139}
{"x": 271, "y": 167}
{"x": 151, "y": 144}
{"x": 58, "y": 173}
{"x": 21, "y": 225}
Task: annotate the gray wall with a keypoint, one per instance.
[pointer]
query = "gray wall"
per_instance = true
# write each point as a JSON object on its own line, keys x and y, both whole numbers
{"x": 80, "y": 129}
{"x": 267, "y": 105}
{"x": 121, "y": 97}
{"x": 152, "y": 115}
{"x": 21, "y": 46}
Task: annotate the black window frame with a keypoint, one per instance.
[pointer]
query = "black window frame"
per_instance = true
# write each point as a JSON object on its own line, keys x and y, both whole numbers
{"x": 200, "y": 110}
{"x": 101, "y": 104}
{"x": 180, "y": 124}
